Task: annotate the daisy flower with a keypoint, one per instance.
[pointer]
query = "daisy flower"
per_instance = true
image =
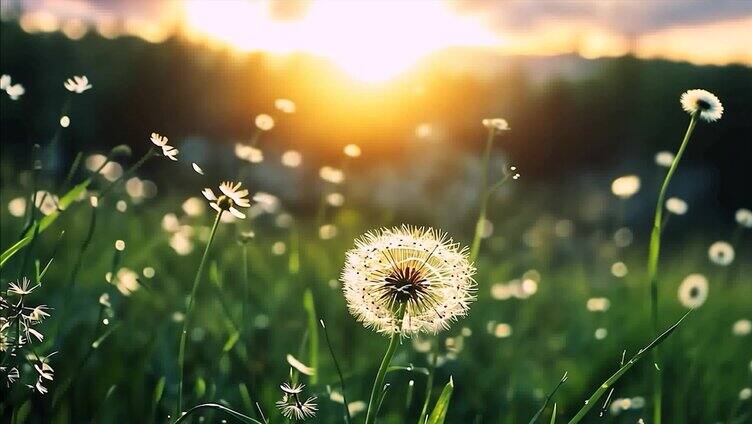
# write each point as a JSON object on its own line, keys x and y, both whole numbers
{"x": 721, "y": 253}
{"x": 708, "y": 105}
{"x": 78, "y": 84}
{"x": 231, "y": 196}
{"x": 693, "y": 291}
{"x": 167, "y": 150}
{"x": 421, "y": 271}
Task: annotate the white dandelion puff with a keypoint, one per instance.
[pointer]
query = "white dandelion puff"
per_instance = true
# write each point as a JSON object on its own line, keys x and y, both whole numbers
{"x": 285, "y": 105}
{"x": 496, "y": 124}
{"x": 264, "y": 122}
{"x": 744, "y": 217}
{"x": 664, "y": 158}
{"x": 693, "y": 291}
{"x": 626, "y": 186}
{"x": 708, "y": 105}
{"x": 77, "y": 84}
{"x": 676, "y": 206}
{"x": 721, "y": 253}
{"x": 421, "y": 271}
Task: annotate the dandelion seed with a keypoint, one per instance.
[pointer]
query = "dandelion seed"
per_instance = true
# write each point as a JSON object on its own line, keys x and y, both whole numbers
{"x": 327, "y": 232}
{"x": 232, "y": 196}
{"x": 292, "y": 389}
{"x": 721, "y": 253}
{"x": 22, "y": 288}
{"x": 496, "y": 124}
{"x": 15, "y": 91}
{"x": 78, "y": 84}
{"x": 120, "y": 245}
{"x": 197, "y": 168}
{"x": 17, "y": 207}
{"x": 279, "y": 248}
{"x": 664, "y": 158}
{"x": 705, "y": 102}
{"x": 264, "y": 122}
{"x": 249, "y": 153}
{"x": 65, "y": 121}
{"x": 335, "y": 199}
{"x": 352, "y": 150}
{"x": 744, "y": 217}
{"x": 693, "y": 291}
{"x": 285, "y": 105}
{"x": 676, "y": 206}
{"x": 626, "y": 186}
{"x": 619, "y": 269}
{"x": 421, "y": 270}
{"x": 742, "y": 327}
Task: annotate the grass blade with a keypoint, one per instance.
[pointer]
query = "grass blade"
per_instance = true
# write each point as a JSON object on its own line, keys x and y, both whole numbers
{"x": 442, "y": 405}
{"x": 553, "y": 415}
{"x": 313, "y": 334}
{"x": 548, "y": 399}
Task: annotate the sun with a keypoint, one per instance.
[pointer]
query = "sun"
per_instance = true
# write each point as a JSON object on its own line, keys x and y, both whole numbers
{"x": 372, "y": 41}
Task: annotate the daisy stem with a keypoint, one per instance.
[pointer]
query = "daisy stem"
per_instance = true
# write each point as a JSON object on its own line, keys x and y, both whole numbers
{"x": 379, "y": 382}
{"x": 189, "y": 309}
{"x": 475, "y": 247}
{"x": 653, "y": 255}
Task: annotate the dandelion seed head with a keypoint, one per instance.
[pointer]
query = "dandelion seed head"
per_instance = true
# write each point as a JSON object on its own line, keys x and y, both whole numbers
{"x": 77, "y": 84}
{"x": 496, "y": 124}
{"x": 17, "y": 207}
{"x": 264, "y": 122}
{"x": 721, "y": 253}
{"x": 292, "y": 407}
{"x": 420, "y": 270}
{"x": 693, "y": 291}
{"x": 291, "y": 158}
{"x": 664, "y": 158}
{"x": 65, "y": 121}
{"x": 120, "y": 245}
{"x": 626, "y": 186}
{"x": 352, "y": 150}
{"x": 708, "y": 105}
{"x": 676, "y": 206}
{"x": 744, "y": 217}
{"x": 121, "y": 206}
{"x": 285, "y": 105}
{"x": 742, "y": 327}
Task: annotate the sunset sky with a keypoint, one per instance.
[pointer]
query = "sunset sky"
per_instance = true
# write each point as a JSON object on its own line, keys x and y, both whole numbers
{"x": 379, "y": 39}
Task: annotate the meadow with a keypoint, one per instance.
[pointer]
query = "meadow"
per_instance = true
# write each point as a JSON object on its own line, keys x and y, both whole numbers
{"x": 560, "y": 282}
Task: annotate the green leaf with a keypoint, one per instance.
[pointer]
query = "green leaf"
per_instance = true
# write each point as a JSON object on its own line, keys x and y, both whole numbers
{"x": 313, "y": 332}
{"x": 442, "y": 405}
{"x": 9, "y": 252}
{"x": 553, "y": 415}
{"x": 231, "y": 341}
{"x": 200, "y": 387}
{"x": 159, "y": 389}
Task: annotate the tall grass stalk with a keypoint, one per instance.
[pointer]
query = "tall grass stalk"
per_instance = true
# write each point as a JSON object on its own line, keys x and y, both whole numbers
{"x": 189, "y": 310}
{"x": 475, "y": 246}
{"x": 653, "y": 256}
{"x": 215, "y": 406}
{"x": 379, "y": 382}
{"x": 346, "y": 414}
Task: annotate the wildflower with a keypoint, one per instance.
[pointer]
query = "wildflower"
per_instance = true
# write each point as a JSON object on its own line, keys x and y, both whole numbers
{"x": 721, "y": 253}
{"x": 232, "y": 196}
{"x": 352, "y": 150}
{"x": 676, "y": 206}
{"x": 742, "y": 327}
{"x": 285, "y": 105}
{"x": 744, "y": 217}
{"x": 292, "y": 406}
{"x": 264, "y": 122}
{"x": 418, "y": 270}
{"x": 708, "y": 105}
{"x": 626, "y": 186}
{"x": 693, "y": 291}
{"x": 197, "y": 168}
{"x": 38, "y": 313}
{"x": 15, "y": 91}
{"x": 78, "y": 84}
{"x": 249, "y": 153}
{"x": 167, "y": 150}
{"x": 292, "y": 158}
{"x": 21, "y": 289}
{"x": 664, "y": 158}
{"x": 496, "y": 124}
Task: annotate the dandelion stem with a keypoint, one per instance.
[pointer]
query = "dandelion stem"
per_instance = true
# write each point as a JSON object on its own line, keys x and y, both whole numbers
{"x": 484, "y": 195}
{"x": 347, "y": 417}
{"x": 429, "y": 382}
{"x": 235, "y": 414}
{"x": 379, "y": 382}
{"x": 653, "y": 256}
{"x": 189, "y": 309}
